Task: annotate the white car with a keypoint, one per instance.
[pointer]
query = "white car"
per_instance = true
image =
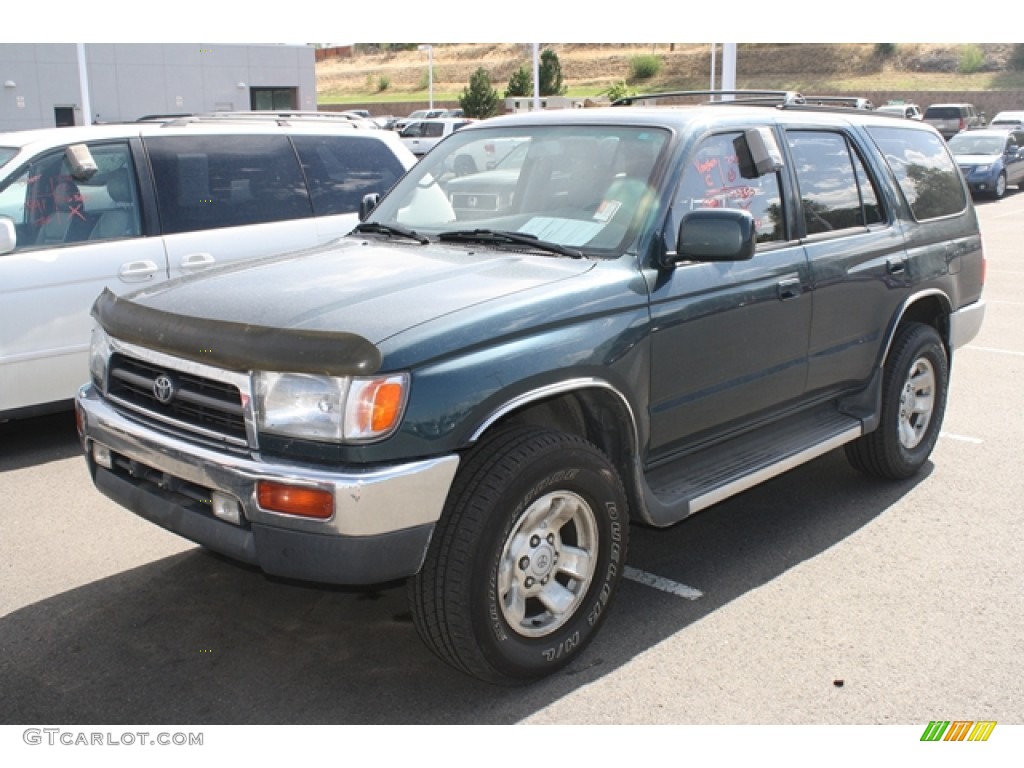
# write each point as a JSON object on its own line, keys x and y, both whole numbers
{"x": 421, "y": 136}
{"x": 1012, "y": 119}
{"x": 909, "y": 111}
{"x": 133, "y": 205}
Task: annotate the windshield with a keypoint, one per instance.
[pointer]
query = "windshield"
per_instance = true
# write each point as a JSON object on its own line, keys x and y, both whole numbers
{"x": 966, "y": 144}
{"x": 584, "y": 188}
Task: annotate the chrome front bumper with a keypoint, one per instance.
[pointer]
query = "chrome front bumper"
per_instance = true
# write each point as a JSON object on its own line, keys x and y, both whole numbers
{"x": 382, "y": 522}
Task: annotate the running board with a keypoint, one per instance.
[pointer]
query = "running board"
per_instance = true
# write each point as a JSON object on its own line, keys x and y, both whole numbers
{"x": 709, "y": 476}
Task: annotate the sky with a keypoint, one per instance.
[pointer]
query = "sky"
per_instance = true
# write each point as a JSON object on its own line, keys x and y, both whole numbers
{"x": 452, "y": 21}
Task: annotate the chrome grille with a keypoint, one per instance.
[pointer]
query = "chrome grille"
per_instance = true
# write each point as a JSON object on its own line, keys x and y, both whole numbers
{"x": 199, "y": 406}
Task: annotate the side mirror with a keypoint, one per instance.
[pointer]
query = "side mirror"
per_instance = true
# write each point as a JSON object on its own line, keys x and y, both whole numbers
{"x": 367, "y": 204}
{"x": 8, "y": 235}
{"x": 714, "y": 234}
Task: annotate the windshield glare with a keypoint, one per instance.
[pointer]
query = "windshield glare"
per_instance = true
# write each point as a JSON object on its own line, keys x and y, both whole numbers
{"x": 577, "y": 186}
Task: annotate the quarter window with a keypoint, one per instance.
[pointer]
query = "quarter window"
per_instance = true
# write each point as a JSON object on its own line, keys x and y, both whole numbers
{"x": 924, "y": 169}
{"x": 342, "y": 169}
{"x": 836, "y": 191}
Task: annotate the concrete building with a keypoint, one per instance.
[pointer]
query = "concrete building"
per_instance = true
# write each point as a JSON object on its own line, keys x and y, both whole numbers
{"x": 40, "y": 83}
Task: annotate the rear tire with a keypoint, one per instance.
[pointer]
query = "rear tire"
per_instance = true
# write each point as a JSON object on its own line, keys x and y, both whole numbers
{"x": 914, "y": 386}
{"x": 526, "y": 558}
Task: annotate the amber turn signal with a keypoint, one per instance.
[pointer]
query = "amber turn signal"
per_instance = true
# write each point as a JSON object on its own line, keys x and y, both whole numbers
{"x": 295, "y": 500}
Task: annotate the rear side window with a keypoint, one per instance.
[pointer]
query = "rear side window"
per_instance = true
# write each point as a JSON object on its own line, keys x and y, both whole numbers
{"x": 340, "y": 170}
{"x": 924, "y": 169}
{"x": 836, "y": 191}
{"x": 209, "y": 182}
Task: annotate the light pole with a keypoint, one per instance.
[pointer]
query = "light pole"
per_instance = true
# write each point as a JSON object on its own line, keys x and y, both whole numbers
{"x": 430, "y": 70}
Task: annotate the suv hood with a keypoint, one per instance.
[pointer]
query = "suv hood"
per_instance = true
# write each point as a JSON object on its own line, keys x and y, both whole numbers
{"x": 286, "y": 312}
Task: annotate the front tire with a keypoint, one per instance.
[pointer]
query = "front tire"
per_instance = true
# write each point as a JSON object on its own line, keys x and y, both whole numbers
{"x": 914, "y": 387}
{"x": 526, "y": 558}
{"x": 1000, "y": 188}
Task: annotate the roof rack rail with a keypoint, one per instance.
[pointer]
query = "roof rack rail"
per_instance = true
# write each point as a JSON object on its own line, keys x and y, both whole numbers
{"x": 281, "y": 118}
{"x": 774, "y": 98}
{"x": 851, "y": 102}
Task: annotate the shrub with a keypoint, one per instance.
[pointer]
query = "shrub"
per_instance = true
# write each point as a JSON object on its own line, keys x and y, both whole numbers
{"x": 885, "y": 50}
{"x": 644, "y": 66}
{"x": 549, "y": 75}
{"x": 520, "y": 84}
{"x": 972, "y": 59}
{"x": 479, "y": 99}
{"x": 383, "y": 83}
{"x": 619, "y": 90}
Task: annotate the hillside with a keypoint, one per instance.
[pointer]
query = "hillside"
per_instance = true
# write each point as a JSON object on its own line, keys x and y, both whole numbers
{"x": 591, "y": 69}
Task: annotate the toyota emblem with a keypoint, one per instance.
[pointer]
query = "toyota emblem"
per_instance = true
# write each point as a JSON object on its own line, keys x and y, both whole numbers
{"x": 163, "y": 388}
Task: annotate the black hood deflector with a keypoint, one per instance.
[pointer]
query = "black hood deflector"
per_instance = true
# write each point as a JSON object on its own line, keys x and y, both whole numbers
{"x": 236, "y": 346}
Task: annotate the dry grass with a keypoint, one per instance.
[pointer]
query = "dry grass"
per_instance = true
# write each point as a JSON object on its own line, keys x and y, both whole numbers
{"x": 590, "y": 69}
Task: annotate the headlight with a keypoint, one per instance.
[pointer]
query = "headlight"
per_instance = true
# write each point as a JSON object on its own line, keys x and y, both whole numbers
{"x": 335, "y": 409}
{"x": 99, "y": 356}
{"x": 982, "y": 168}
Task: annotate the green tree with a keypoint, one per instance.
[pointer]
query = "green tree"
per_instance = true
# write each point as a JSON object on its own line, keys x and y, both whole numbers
{"x": 479, "y": 99}
{"x": 550, "y": 75}
{"x": 520, "y": 84}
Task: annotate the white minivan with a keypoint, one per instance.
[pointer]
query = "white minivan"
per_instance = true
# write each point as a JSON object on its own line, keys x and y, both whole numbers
{"x": 131, "y": 205}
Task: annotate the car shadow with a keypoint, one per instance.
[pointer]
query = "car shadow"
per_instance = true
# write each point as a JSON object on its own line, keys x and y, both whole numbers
{"x": 196, "y": 639}
{"x": 38, "y": 440}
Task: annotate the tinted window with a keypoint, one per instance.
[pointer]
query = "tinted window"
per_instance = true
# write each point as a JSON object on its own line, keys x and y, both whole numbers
{"x": 925, "y": 170}
{"x": 836, "y": 191}
{"x": 342, "y": 169}
{"x": 943, "y": 113}
{"x": 208, "y": 182}
{"x": 713, "y": 179}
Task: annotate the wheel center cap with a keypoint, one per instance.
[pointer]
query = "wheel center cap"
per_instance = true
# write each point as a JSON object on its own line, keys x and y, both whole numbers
{"x": 542, "y": 561}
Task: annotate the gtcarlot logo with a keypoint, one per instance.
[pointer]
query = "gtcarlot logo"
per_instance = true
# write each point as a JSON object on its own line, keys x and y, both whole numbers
{"x": 61, "y": 737}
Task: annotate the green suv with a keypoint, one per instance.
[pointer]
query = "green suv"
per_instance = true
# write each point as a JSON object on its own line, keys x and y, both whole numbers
{"x": 655, "y": 310}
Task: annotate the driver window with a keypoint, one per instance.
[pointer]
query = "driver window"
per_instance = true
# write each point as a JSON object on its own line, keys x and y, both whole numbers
{"x": 52, "y": 208}
{"x": 713, "y": 178}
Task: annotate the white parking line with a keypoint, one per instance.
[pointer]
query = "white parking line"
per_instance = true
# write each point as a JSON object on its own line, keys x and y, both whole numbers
{"x": 665, "y": 585}
{"x": 962, "y": 438}
{"x": 994, "y": 349}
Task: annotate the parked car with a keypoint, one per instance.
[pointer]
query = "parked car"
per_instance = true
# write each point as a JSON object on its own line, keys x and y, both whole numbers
{"x": 420, "y": 136}
{"x": 419, "y": 114}
{"x": 951, "y": 119}
{"x": 909, "y": 111}
{"x": 124, "y": 206}
{"x": 675, "y": 305}
{"x": 991, "y": 159}
{"x": 1009, "y": 119}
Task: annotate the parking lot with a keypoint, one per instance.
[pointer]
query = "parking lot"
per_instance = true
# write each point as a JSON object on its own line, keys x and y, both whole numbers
{"x": 821, "y": 597}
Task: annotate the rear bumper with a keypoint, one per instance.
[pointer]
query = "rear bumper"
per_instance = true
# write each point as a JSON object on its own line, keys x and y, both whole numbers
{"x": 965, "y": 324}
{"x": 383, "y": 516}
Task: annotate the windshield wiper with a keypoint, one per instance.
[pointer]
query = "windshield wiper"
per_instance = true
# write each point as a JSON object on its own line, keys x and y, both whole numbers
{"x": 388, "y": 229}
{"x": 503, "y": 236}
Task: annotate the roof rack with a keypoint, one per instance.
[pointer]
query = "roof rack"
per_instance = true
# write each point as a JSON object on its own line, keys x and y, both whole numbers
{"x": 852, "y": 102}
{"x": 768, "y": 98}
{"x": 764, "y": 98}
{"x": 280, "y": 117}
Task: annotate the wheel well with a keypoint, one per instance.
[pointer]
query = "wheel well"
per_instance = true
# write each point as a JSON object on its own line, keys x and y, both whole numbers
{"x": 596, "y": 414}
{"x": 930, "y": 310}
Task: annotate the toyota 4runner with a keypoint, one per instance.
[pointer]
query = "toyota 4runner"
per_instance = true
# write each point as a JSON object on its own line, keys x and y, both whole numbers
{"x": 657, "y": 309}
